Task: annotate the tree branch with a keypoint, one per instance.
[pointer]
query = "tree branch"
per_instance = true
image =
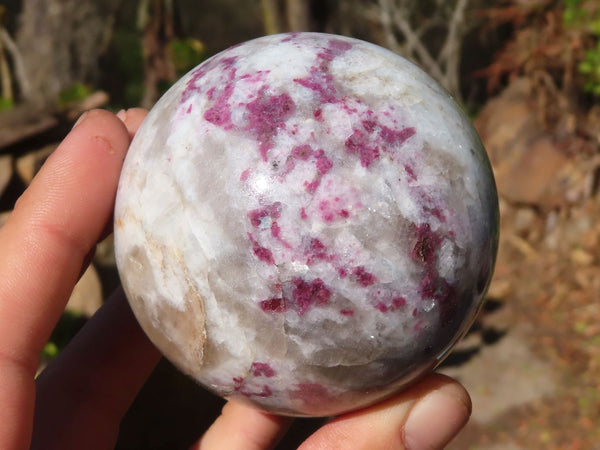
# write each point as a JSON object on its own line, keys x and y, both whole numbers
{"x": 451, "y": 52}
{"x": 5, "y": 78}
{"x": 19, "y": 68}
{"x": 412, "y": 39}
{"x": 270, "y": 13}
{"x": 403, "y": 17}
{"x": 385, "y": 18}
{"x": 455, "y": 31}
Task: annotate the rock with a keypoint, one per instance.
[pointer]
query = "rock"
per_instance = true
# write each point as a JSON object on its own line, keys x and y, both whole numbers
{"x": 87, "y": 295}
{"x": 6, "y": 172}
{"x": 532, "y": 177}
{"x": 530, "y": 166}
{"x": 306, "y": 222}
{"x": 505, "y": 119}
{"x": 30, "y": 164}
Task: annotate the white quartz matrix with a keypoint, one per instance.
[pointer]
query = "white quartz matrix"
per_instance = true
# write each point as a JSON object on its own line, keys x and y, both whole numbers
{"x": 306, "y": 222}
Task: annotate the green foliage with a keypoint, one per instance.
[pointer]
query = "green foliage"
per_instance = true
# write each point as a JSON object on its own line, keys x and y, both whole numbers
{"x": 130, "y": 59}
{"x": 573, "y": 12}
{"x": 50, "y": 351}
{"x": 123, "y": 74}
{"x": 74, "y": 94}
{"x": 584, "y": 16}
{"x": 6, "y": 103}
{"x": 590, "y": 68}
{"x": 186, "y": 54}
{"x": 66, "y": 328}
{"x": 130, "y": 65}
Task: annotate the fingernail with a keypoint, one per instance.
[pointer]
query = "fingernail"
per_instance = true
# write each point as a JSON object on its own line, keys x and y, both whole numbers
{"x": 437, "y": 418}
{"x": 81, "y": 117}
{"x": 122, "y": 115}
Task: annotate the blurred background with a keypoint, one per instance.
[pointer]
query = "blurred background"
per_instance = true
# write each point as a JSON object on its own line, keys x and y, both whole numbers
{"x": 526, "y": 71}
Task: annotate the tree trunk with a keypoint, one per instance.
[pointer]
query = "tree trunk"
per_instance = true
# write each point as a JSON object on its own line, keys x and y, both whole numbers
{"x": 158, "y": 32}
{"x": 271, "y": 16}
{"x": 290, "y": 15}
{"x": 60, "y": 42}
{"x": 298, "y": 15}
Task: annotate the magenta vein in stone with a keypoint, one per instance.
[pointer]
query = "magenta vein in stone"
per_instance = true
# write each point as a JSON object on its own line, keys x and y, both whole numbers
{"x": 316, "y": 251}
{"x": 262, "y": 369}
{"x": 220, "y": 114}
{"x": 193, "y": 85}
{"x": 275, "y": 304}
{"x": 363, "y": 277}
{"x": 240, "y": 387}
{"x": 426, "y": 246}
{"x": 373, "y": 138}
{"x": 330, "y": 212}
{"x": 432, "y": 286}
{"x": 396, "y": 303}
{"x": 267, "y": 114}
{"x": 262, "y": 253}
{"x": 320, "y": 79}
{"x": 268, "y": 213}
{"x": 304, "y": 296}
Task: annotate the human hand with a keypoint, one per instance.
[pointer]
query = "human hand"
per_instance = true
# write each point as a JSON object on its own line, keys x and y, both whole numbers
{"x": 80, "y": 398}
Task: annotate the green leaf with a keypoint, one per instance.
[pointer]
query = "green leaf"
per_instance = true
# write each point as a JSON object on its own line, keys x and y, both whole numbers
{"x": 186, "y": 54}
{"x": 74, "y": 94}
{"x": 6, "y": 103}
{"x": 584, "y": 67}
{"x": 50, "y": 351}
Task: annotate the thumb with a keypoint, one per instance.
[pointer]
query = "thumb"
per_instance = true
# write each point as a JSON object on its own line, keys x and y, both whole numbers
{"x": 426, "y": 416}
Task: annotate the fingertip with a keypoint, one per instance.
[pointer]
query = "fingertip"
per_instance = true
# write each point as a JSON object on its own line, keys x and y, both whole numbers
{"x": 95, "y": 115}
{"x": 132, "y": 118}
{"x": 437, "y": 417}
{"x": 426, "y": 415}
{"x": 243, "y": 426}
{"x": 100, "y": 124}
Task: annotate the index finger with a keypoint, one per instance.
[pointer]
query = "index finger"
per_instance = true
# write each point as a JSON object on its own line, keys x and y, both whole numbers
{"x": 54, "y": 225}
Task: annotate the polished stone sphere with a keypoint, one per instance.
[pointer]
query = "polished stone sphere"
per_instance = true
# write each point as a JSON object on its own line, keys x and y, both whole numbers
{"x": 306, "y": 222}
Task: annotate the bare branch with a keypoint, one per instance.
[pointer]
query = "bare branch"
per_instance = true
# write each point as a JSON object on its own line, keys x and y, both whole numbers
{"x": 19, "y": 68}
{"x": 385, "y": 17}
{"x": 428, "y": 62}
{"x": 455, "y": 30}
{"x": 398, "y": 17}
{"x": 5, "y": 78}
{"x": 451, "y": 52}
{"x": 420, "y": 32}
